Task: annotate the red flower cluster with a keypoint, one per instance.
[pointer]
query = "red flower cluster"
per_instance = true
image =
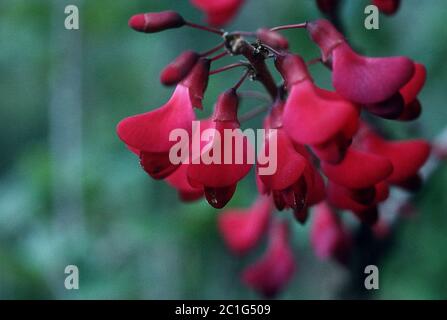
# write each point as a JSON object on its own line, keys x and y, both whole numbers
{"x": 313, "y": 131}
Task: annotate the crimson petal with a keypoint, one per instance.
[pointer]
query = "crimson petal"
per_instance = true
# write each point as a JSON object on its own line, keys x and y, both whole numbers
{"x": 368, "y": 80}
{"x": 314, "y": 116}
{"x": 150, "y": 131}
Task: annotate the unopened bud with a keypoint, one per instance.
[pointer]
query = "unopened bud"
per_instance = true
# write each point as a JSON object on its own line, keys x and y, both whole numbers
{"x": 178, "y": 69}
{"x": 197, "y": 81}
{"x": 325, "y": 35}
{"x": 293, "y": 68}
{"x": 226, "y": 106}
{"x": 156, "y": 21}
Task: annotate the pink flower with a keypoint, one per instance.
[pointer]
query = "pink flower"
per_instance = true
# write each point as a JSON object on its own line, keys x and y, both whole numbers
{"x": 148, "y": 133}
{"x": 219, "y": 180}
{"x": 269, "y": 275}
{"x": 243, "y": 229}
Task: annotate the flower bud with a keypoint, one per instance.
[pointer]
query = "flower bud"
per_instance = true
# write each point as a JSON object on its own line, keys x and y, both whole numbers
{"x": 325, "y": 35}
{"x": 272, "y": 39}
{"x": 293, "y": 69}
{"x": 178, "y": 69}
{"x": 226, "y": 106}
{"x": 156, "y": 21}
{"x": 197, "y": 81}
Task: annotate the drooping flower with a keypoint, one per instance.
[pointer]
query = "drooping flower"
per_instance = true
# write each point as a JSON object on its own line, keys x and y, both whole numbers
{"x": 348, "y": 199}
{"x": 218, "y": 12}
{"x": 363, "y": 80}
{"x": 407, "y": 156}
{"x": 269, "y": 275}
{"x": 329, "y": 237}
{"x": 243, "y": 229}
{"x": 287, "y": 182}
{"x": 148, "y": 133}
{"x": 217, "y": 175}
{"x": 359, "y": 169}
{"x": 313, "y": 116}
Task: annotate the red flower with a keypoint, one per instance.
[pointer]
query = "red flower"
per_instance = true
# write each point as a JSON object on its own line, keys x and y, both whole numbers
{"x": 328, "y": 235}
{"x": 388, "y": 7}
{"x": 358, "y": 170}
{"x": 218, "y": 12}
{"x": 407, "y": 157}
{"x": 363, "y": 80}
{"x": 287, "y": 182}
{"x": 242, "y": 229}
{"x": 349, "y": 199}
{"x": 219, "y": 180}
{"x": 269, "y": 275}
{"x": 148, "y": 133}
{"x": 314, "y": 116}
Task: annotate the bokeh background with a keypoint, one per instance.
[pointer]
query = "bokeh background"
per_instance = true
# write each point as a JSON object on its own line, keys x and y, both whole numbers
{"x": 71, "y": 193}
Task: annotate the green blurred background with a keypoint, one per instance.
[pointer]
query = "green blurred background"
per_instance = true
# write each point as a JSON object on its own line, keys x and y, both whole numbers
{"x": 71, "y": 193}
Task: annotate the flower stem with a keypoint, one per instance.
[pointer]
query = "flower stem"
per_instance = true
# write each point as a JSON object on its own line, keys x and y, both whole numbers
{"x": 257, "y": 61}
{"x": 220, "y": 55}
{"x": 290, "y": 26}
{"x": 227, "y": 67}
{"x": 205, "y": 28}
{"x": 272, "y": 50}
{"x": 213, "y": 50}
{"x": 241, "y": 80}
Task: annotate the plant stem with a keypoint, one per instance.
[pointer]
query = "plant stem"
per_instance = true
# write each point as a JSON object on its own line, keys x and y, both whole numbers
{"x": 241, "y": 80}
{"x": 227, "y": 67}
{"x": 220, "y": 55}
{"x": 213, "y": 50}
{"x": 205, "y": 28}
{"x": 290, "y": 26}
{"x": 258, "y": 63}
